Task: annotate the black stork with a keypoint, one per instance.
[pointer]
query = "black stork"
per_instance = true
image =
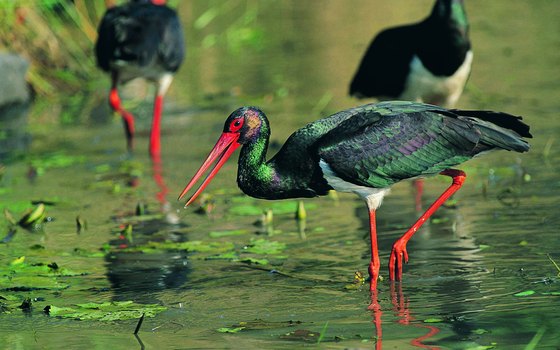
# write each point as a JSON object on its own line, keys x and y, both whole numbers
{"x": 429, "y": 61}
{"x": 364, "y": 150}
{"x": 140, "y": 39}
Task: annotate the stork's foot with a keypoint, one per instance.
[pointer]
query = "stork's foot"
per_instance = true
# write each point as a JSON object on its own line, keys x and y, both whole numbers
{"x": 398, "y": 254}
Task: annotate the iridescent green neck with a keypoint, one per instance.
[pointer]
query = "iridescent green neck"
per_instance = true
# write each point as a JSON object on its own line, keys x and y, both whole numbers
{"x": 254, "y": 174}
{"x": 458, "y": 14}
{"x": 452, "y": 10}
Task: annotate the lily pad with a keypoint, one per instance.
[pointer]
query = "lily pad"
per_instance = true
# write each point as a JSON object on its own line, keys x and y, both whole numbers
{"x": 264, "y": 246}
{"x": 433, "y": 320}
{"x": 225, "y": 256}
{"x": 524, "y": 293}
{"x": 26, "y": 283}
{"x": 230, "y": 330}
{"x": 108, "y": 311}
{"x": 19, "y": 275}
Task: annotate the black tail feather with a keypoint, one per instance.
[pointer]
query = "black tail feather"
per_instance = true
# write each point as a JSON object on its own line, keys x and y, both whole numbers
{"x": 501, "y": 119}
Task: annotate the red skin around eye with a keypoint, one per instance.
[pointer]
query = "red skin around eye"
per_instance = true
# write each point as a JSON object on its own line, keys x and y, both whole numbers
{"x": 233, "y": 127}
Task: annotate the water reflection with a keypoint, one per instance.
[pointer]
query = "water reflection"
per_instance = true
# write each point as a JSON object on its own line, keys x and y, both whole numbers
{"x": 140, "y": 274}
{"x": 171, "y": 217}
{"x": 444, "y": 246}
{"x": 376, "y": 312}
{"x": 401, "y": 310}
{"x": 136, "y": 271}
{"x": 14, "y": 138}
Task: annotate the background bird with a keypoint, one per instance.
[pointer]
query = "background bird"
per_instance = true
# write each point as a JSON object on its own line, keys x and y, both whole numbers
{"x": 140, "y": 39}
{"x": 364, "y": 150}
{"x": 429, "y": 61}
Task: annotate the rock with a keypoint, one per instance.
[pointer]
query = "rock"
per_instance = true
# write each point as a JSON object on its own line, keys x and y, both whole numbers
{"x": 15, "y": 100}
{"x": 13, "y": 86}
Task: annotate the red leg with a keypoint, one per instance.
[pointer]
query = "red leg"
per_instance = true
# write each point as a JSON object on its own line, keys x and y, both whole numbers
{"x": 128, "y": 119}
{"x": 398, "y": 253}
{"x": 374, "y": 263}
{"x": 155, "y": 144}
{"x": 376, "y": 310}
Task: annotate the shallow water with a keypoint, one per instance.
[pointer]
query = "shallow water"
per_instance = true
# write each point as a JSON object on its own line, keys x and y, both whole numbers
{"x": 295, "y": 60}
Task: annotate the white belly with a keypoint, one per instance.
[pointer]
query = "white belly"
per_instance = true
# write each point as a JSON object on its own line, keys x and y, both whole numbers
{"x": 129, "y": 71}
{"x": 373, "y": 196}
{"x": 423, "y": 86}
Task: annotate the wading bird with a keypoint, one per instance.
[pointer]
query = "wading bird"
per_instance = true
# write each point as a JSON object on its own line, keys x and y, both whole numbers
{"x": 140, "y": 39}
{"x": 429, "y": 61}
{"x": 364, "y": 150}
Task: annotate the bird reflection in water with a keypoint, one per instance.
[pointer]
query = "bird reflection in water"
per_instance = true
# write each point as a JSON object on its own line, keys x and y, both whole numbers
{"x": 130, "y": 271}
{"x": 401, "y": 310}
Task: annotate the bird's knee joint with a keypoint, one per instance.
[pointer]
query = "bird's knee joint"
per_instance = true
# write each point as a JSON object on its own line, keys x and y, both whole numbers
{"x": 114, "y": 100}
{"x": 458, "y": 176}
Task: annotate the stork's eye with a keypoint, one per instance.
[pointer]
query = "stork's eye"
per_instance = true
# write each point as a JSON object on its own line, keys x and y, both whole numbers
{"x": 236, "y": 124}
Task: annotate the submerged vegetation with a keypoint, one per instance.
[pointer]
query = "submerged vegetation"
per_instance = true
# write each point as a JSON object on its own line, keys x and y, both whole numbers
{"x": 57, "y": 37}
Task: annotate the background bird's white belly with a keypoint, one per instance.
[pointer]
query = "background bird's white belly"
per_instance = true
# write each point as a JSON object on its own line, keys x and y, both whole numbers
{"x": 129, "y": 71}
{"x": 423, "y": 86}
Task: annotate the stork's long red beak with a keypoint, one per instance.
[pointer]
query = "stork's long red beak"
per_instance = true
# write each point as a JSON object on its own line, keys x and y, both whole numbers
{"x": 227, "y": 143}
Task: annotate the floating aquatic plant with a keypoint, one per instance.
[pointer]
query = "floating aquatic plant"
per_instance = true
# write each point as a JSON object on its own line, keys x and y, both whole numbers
{"x": 107, "y": 311}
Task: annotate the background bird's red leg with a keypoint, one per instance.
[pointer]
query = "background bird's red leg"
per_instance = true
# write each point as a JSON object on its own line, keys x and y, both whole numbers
{"x": 128, "y": 119}
{"x": 374, "y": 263}
{"x": 418, "y": 191}
{"x": 155, "y": 143}
{"x": 398, "y": 252}
{"x": 162, "y": 86}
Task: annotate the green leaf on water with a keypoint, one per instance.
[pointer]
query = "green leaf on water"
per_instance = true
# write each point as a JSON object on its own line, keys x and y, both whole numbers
{"x": 245, "y": 210}
{"x": 107, "y": 311}
{"x": 225, "y": 256}
{"x": 19, "y": 275}
{"x": 88, "y": 253}
{"x": 230, "y": 330}
{"x": 264, "y": 246}
{"x": 524, "y": 293}
{"x": 25, "y": 283}
{"x": 9, "y": 297}
{"x": 190, "y": 246}
{"x": 551, "y": 293}
{"x": 254, "y": 261}
{"x": 433, "y": 320}
{"x": 218, "y": 234}
{"x": 17, "y": 261}
{"x": 437, "y": 221}
{"x": 55, "y": 160}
